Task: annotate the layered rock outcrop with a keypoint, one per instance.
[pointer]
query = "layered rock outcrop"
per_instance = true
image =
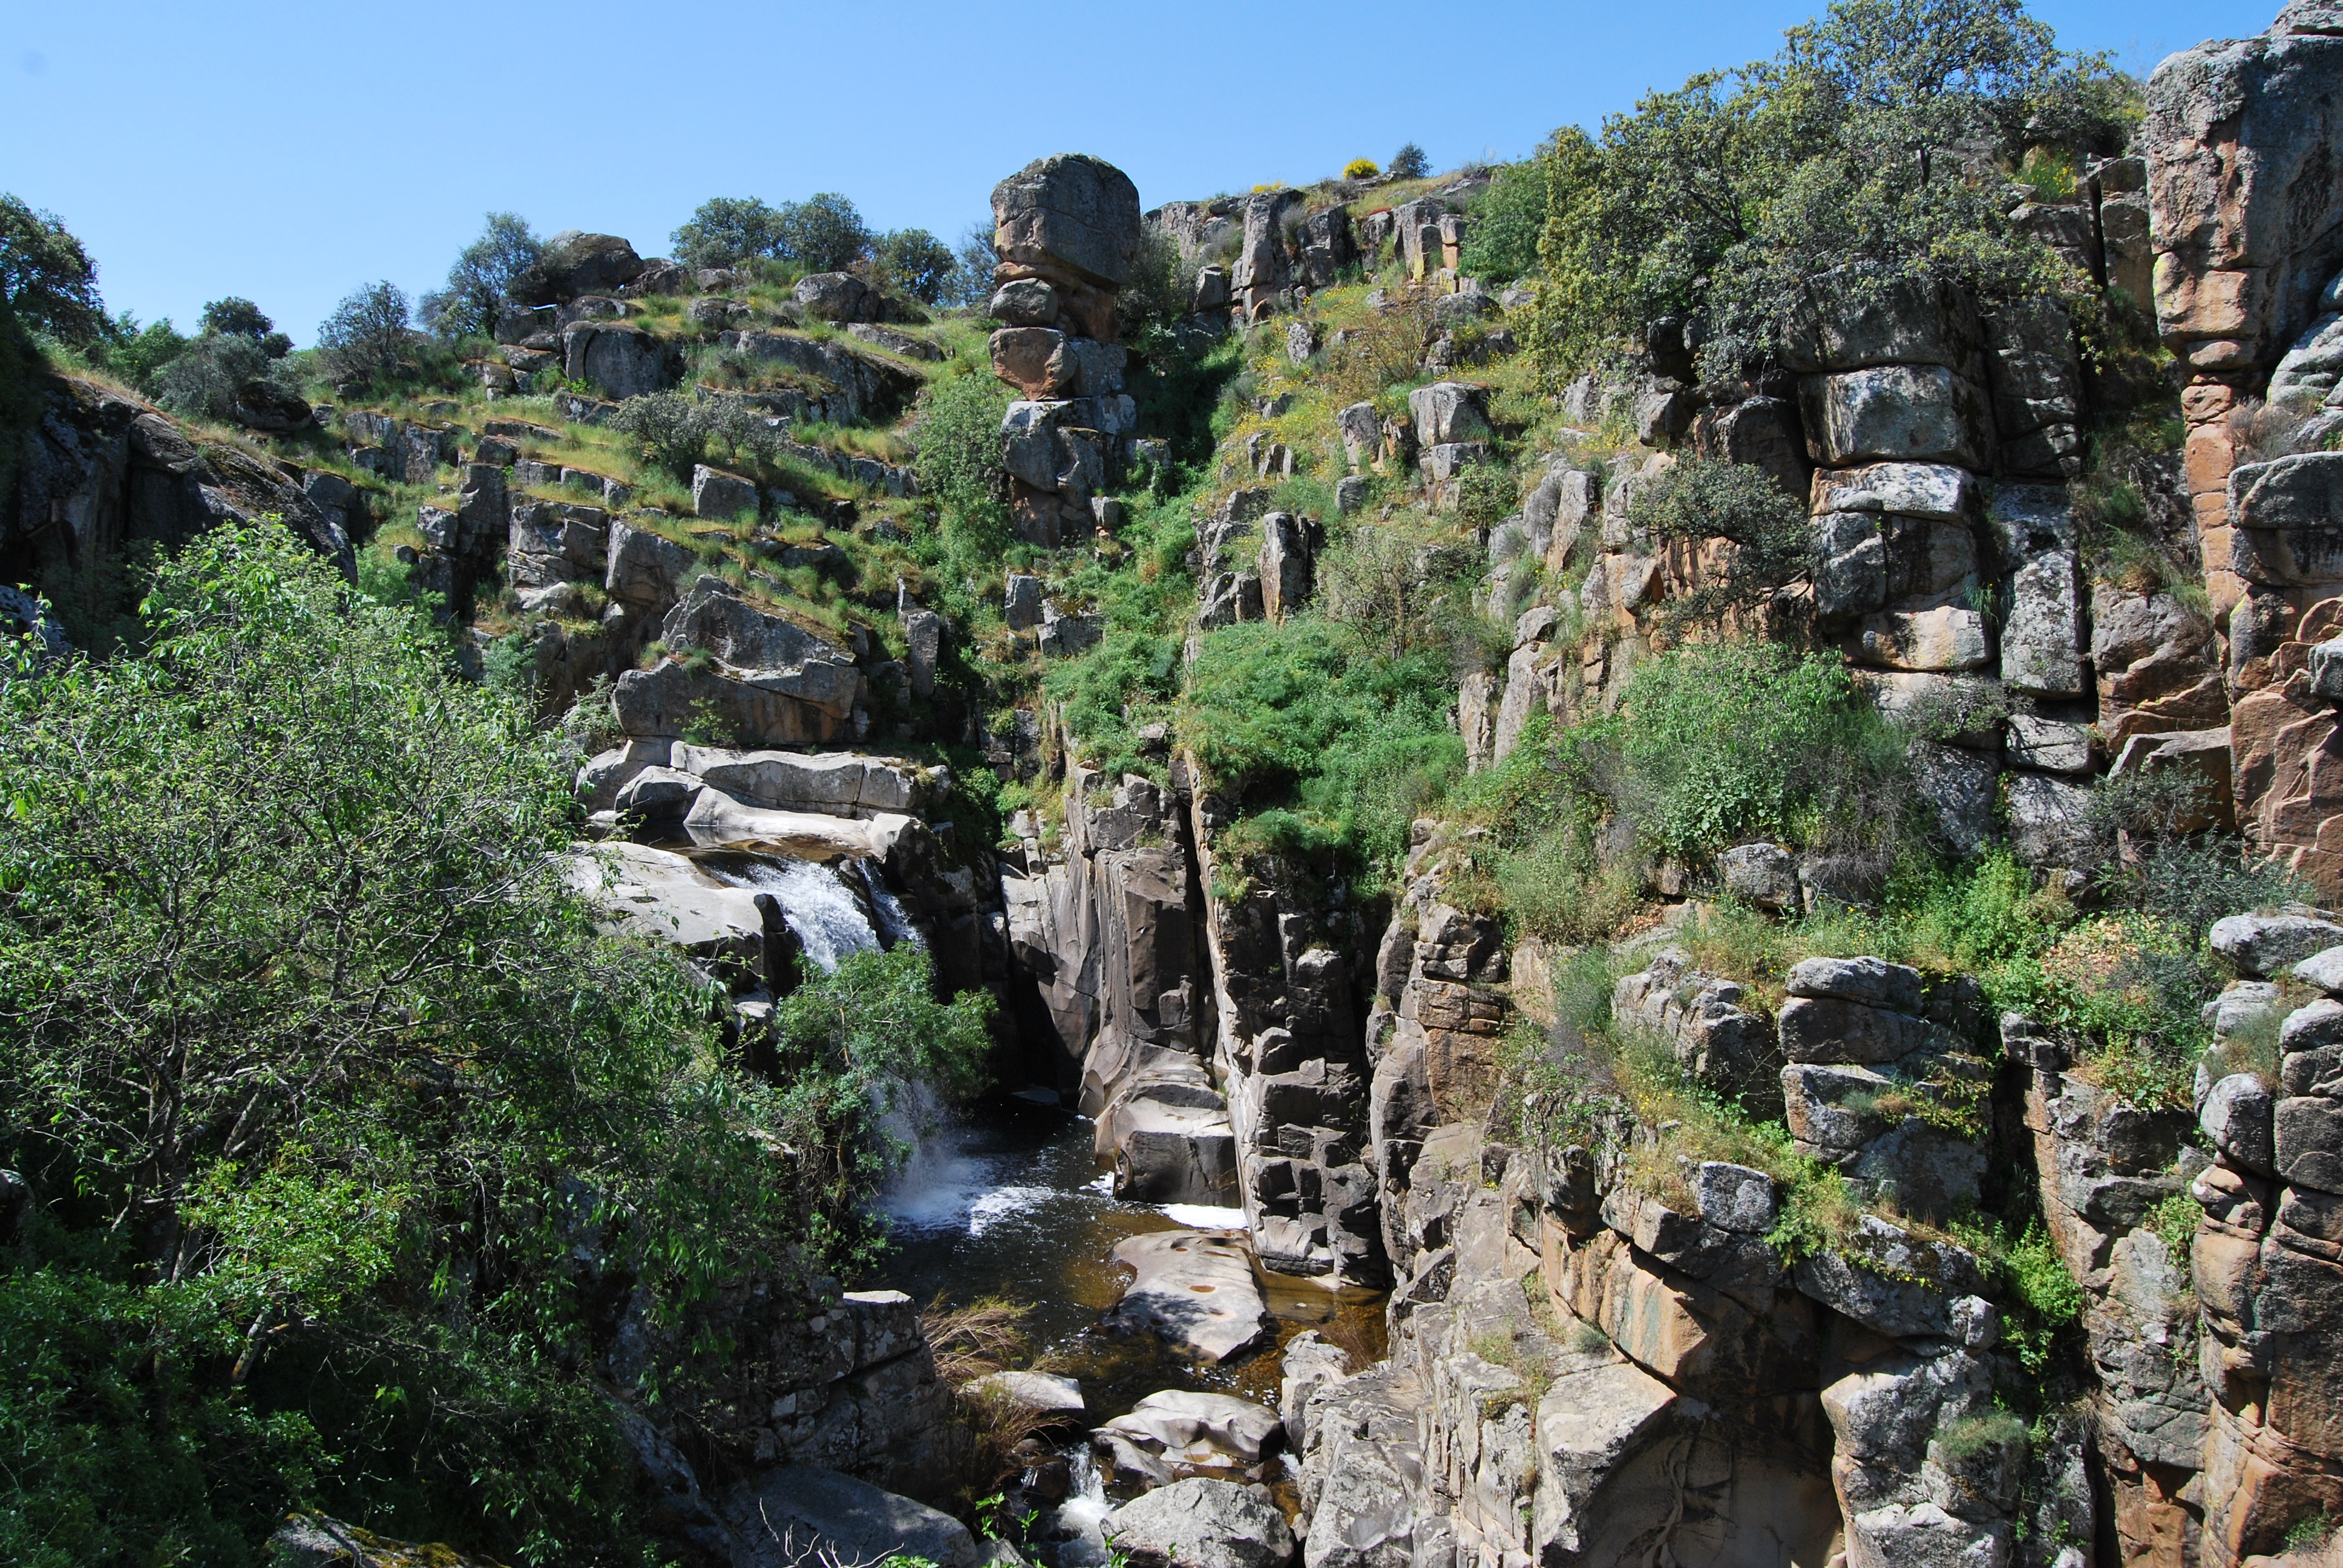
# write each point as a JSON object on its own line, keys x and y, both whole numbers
{"x": 2241, "y": 140}
{"x": 1067, "y": 230}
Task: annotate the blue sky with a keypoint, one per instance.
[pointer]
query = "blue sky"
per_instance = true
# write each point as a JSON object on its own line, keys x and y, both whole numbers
{"x": 291, "y": 152}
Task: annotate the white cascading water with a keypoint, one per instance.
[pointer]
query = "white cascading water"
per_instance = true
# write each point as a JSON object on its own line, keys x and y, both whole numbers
{"x": 831, "y": 917}
{"x": 1085, "y": 1509}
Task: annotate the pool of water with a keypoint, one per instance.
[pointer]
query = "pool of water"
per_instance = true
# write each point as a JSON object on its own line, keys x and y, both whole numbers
{"x": 1009, "y": 1201}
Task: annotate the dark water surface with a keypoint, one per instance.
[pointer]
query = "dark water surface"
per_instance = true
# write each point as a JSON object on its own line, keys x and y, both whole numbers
{"x": 1011, "y": 1201}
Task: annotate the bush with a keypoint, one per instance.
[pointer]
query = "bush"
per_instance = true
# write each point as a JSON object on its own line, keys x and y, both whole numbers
{"x": 1721, "y": 744}
{"x": 367, "y": 337}
{"x": 1341, "y": 748}
{"x": 1703, "y": 498}
{"x": 200, "y": 382}
{"x": 1409, "y": 162}
{"x": 1360, "y": 170}
{"x": 1507, "y": 219}
{"x": 959, "y": 435}
{"x": 725, "y": 231}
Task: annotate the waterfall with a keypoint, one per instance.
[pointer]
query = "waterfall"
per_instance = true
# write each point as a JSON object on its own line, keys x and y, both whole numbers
{"x": 830, "y": 916}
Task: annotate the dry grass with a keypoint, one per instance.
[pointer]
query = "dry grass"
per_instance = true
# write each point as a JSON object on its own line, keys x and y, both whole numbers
{"x": 988, "y": 1335}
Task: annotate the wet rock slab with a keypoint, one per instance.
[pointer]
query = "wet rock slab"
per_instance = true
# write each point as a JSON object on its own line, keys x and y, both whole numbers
{"x": 1195, "y": 1291}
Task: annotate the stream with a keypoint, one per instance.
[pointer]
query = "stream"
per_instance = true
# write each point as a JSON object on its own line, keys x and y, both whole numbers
{"x": 1006, "y": 1199}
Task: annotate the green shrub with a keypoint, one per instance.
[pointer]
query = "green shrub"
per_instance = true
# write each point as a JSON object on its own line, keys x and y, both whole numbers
{"x": 1721, "y": 744}
{"x": 1356, "y": 745}
{"x": 2173, "y": 1220}
{"x": 1703, "y": 498}
{"x": 1507, "y": 219}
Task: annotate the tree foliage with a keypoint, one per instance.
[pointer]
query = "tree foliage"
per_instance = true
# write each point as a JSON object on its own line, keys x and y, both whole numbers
{"x": 914, "y": 261}
{"x": 1875, "y": 146}
{"x": 725, "y": 231}
{"x": 47, "y": 281}
{"x": 367, "y": 337}
{"x": 500, "y": 268}
{"x": 340, "y": 1113}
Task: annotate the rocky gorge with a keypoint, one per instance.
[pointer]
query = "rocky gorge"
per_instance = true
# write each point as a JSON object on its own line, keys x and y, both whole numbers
{"x": 1372, "y": 1193}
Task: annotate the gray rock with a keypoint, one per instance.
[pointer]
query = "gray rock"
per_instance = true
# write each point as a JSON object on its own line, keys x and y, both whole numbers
{"x": 1022, "y": 601}
{"x": 2308, "y": 1142}
{"x": 1194, "y": 1291}
{"x": 1834, "y": 1031}
{"x": 1073, "y": 211}
{"x": 835, "y": 296}
{"x": 786, "y": 1514}
{"x": 644, "y": 568}
{"x": 2261, "y": 946}
{"x": 1891, "y": 1282}
{"x": 1936, "y": 490}
{"x": 1449, "y": 412}
{"x": 1897, "y": 413}
{"x": 2050, "y": 822}
{"x": 1828, "y": 1107}
{"x": 659, "y": 797}
{"x": 1763, "y": 874}
{"x": 1735, "y": 1197}
{"x": 1852, "y": 576}
{"x": 2237, "y": 1116}
{"x": 1961, "y": 787}
{"x": 717, "y": 494}
{"x": 2049, "y": 745}
{"x": 1350, "y": 494}
{"x": 1874, "y": 982}
{"x": 575, "y": 264}
{"x": 2042, "y": 640}
{"x": 2323, "y": 969}
{"x": 623, "y": 359}
{"x": 1044, "y": 1393}
{"x": 1206, "y": 1523}
{"x": 1360, "y": 431}
{"x": 1181, "y": 1421}
{"x": 1024, "y": 302}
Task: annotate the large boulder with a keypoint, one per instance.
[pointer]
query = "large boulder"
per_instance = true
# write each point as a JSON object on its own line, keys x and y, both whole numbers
{"x": 1202, "y": 1523}
{"x": 2242, "y": 141}
{"x": 1449, "y": 412}
{"x": 577, "y": 264}
{"x": 623, "y": 359}
{"x": 1071, "y": 211}
{"x": 786, "y": 1516}
{"x": 1895, "y": 412}
{"x": 1193, "y": 1289}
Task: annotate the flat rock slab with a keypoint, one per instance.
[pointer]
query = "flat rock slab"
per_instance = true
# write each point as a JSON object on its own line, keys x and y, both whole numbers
{"x": 784, "y": 1515}
{"x": 1044, "y": 1393}
{"x": 1195, "y": 1291}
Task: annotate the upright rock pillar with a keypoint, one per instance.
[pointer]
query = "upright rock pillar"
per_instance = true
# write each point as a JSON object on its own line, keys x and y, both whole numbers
{"x": 1067, "y": 231}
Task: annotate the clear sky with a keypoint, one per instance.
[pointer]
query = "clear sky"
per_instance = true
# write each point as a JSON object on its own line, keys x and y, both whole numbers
{"x": 291, "y": 152}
